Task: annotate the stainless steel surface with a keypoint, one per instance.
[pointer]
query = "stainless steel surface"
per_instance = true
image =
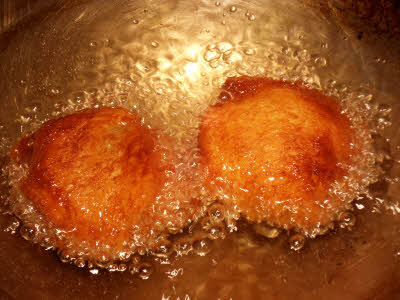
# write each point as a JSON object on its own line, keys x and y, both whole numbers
{"x": 67, "y": 55}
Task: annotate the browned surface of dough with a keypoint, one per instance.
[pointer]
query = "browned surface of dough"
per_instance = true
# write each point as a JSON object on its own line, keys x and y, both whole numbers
{"x": 274, "y": 149}
{"x": 93, "y": 173}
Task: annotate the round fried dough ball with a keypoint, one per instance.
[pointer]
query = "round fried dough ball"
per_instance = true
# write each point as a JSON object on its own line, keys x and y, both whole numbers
{"x": 93, "y": 174}
{"x": 273, "y": 150}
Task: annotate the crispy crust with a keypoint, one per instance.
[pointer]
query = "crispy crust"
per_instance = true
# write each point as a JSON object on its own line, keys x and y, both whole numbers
{"x": 93, "y": 174}
{"x": 274, "y": 149}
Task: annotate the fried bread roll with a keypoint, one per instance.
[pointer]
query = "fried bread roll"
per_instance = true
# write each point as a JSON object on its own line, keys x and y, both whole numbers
{"x": 274, "y": 149}
{"x": 94, "y": 174}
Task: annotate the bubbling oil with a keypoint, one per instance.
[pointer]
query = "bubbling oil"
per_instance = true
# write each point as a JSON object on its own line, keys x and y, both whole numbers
{"x": 146, "y": 62}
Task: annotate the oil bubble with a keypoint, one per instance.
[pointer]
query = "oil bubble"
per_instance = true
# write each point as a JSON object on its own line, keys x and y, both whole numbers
{"x": 124, "y": 256}
{"x": 28, "y": 233}
{"x": 231, "y": 57}
{"x": 211, "y": 47}
{"x": 380, "y": 60}
{"x": 322, "y": 230}
{"x": 359, "y": 206}
{"x": 46, "y": 244}
{"x": 211, "y": 54}
{"x": 235, "y": 215}
{"x": 272, "y": 57}
{"x": 24, "y": 119}
{"x": 146, "y": 66}
{"x": 217, "y": 3}
{"x": 136, "y": 259}
{"x": 286, "y": 50}
{"x": 112, "y": 267}
{"x": 134, "y": 21}
{"x": 55, "y": 91}
{"x": 225, "y": 96}
{"x": 183, "y": 248}
{"x": 214, "y": 63}
{"x": 92, "y": 91}
{"x": 206, "y": 223}
{"x": 65, "y": 256}
{"x": 233, "y": 8}
{"x": 102, "y": 262}
{"x": 249, "y": 51}
{"x": 320, "y": 61}
{"x": 266, "y": 230}
{"x": 251, "y": 18}
{"x": 94, "y": 271}
{"x": 80, "y": 262}
{"x": 145, "y": 270}
{"x": 173, "y": 229}
{"x": 347, "y": 219}
{"x": 224, "y": 46}
{"x": 122, "y": 267}
{"x": 164, "y": 249}
{"x": 303, "y": 55}
{"x": 215, "y": 232}
{"x": 35, "y": 107}
{"x": 384, "y": 110}
{"x": 297, "y": 242}
{"x": 133, "y": 269}
{"x": 141, "y": 251}
{"x": 78, "y": 96}
{"x": 154, "y": 44}
{"x": 202, "y": 246}
{"x": 13, "y": 225}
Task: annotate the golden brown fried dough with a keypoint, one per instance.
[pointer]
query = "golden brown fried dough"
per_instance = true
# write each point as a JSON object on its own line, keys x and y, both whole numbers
{"x": 273, "y": 149}
{"x": 93, "y": 174}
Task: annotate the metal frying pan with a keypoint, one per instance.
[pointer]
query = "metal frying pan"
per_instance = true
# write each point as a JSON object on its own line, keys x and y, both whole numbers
{"x": 60, "y": 56}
